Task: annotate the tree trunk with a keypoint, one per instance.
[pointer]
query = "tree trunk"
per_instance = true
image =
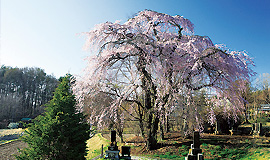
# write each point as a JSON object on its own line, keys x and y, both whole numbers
{"x": 152, "y": 127}
{"x": 142, "y": 128}
{"x": 162, "y": 130}
{"x": 167, "y": 124}
{"x": 141, "y": 121}
{"x": 120, "y": 134}
{"x": 161, "y": 123}
{"x": 150, "y": 91}
{"x": 246, "y": 119}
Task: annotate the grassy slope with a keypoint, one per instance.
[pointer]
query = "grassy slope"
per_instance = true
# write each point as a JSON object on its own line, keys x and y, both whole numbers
{"x": 10, "y": 131}
{"x": 94, "y": 145}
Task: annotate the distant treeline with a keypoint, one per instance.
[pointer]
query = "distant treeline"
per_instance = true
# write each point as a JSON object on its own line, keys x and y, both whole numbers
{"x": 23, "y": 91}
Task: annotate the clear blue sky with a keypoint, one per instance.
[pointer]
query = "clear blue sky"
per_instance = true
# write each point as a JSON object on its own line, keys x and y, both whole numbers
{"x": 42, "y": 33}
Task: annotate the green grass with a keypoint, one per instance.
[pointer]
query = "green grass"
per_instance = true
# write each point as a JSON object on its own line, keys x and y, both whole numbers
{"x": 229, "y": 154}
{"x": 257, "y": 154}
{"x": 220, "y": 152}
{"x": 94, "y": 146}
{"x": 246, "y": 149}
{"x": 217, "y": 152}
{"x": 168, "y": 156}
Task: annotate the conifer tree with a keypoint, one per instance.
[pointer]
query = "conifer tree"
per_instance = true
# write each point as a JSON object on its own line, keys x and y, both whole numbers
{"x": 59, "y": 134}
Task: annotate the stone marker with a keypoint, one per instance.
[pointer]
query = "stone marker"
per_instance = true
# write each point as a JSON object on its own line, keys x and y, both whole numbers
{"x": 125, "y": 152}
{"x": 113, "y": 136}
{"x": 257, "y": 128}
{"x": 195, "y": 153}
{"x": 217, "y": 128}
{"x": 112, "y": 152}
{"x": 196, "y": 140}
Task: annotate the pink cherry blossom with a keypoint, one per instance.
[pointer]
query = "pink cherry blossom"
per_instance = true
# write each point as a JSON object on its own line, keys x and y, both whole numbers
{"x": 151, "y": 59}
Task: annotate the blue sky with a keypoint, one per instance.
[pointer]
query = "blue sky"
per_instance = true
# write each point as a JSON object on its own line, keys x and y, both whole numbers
{"x": 44, "y": 33}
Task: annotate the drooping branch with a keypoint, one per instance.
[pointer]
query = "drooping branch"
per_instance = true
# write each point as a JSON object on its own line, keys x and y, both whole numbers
{"x": 151, "y": 59}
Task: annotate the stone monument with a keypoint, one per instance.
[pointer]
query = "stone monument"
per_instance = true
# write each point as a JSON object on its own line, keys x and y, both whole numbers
{"x": 257, "y": 128}
{"x": 195, "y": 153}
{"x": 125, "y": 152}
{"x": 112, "y": 152}
{"x": 217, "y": 128}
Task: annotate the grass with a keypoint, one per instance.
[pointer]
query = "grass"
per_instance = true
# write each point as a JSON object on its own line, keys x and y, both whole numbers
{"x": 4, "y": 132}
{"x": 218, "y": 152}
{"x": 168, "y": 155}
{"x": 257, "y": 154}
{"x": 214, "y": 147}
{"x": 223, "y": 152}
{"x": 94, "y": 146}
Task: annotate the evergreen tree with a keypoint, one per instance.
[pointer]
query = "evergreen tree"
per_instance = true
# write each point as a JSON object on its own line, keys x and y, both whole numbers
{"x": 59, "y": 134}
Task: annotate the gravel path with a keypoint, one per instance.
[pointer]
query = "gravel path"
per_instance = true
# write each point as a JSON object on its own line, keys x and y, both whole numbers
{"x": 8, "y": 150}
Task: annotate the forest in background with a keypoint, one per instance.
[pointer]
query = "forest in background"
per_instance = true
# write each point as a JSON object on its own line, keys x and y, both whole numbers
{"x": 23, "y": 92}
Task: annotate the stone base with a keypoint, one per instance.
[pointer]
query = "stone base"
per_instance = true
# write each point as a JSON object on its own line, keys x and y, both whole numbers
{"x": 191, "y": 157}
{"x": 195, "y": 151}
{"x": 194, "y": 157}
{"x": 200, "y": 157}
{"x": 112, "y": 154}
{"x": 256, "y": 133}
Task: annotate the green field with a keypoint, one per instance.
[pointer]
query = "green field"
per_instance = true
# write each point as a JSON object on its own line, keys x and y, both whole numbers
{"x": 94, "y": 145}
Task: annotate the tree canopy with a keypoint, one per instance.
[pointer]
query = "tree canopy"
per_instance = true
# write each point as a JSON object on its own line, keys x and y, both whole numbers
{"x": 153, "y": 58}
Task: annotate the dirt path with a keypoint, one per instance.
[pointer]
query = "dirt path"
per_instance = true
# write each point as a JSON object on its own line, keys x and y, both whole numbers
{"x": 8, "y": 150}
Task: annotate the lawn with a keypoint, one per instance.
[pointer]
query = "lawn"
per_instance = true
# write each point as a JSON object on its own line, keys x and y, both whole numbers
{"x": 214, "y": 147}
{"x": 94, "y": 145}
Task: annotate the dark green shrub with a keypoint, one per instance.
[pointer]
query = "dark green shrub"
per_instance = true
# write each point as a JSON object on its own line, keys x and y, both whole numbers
{"x": 59, "y": 134}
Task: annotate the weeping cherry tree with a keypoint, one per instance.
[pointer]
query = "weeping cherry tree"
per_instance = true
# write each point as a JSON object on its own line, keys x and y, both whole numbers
{"x": 149, "y": 60}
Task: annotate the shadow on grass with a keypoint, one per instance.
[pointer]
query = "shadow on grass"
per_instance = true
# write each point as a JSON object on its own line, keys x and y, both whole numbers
{"x": 161, "y": 145}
